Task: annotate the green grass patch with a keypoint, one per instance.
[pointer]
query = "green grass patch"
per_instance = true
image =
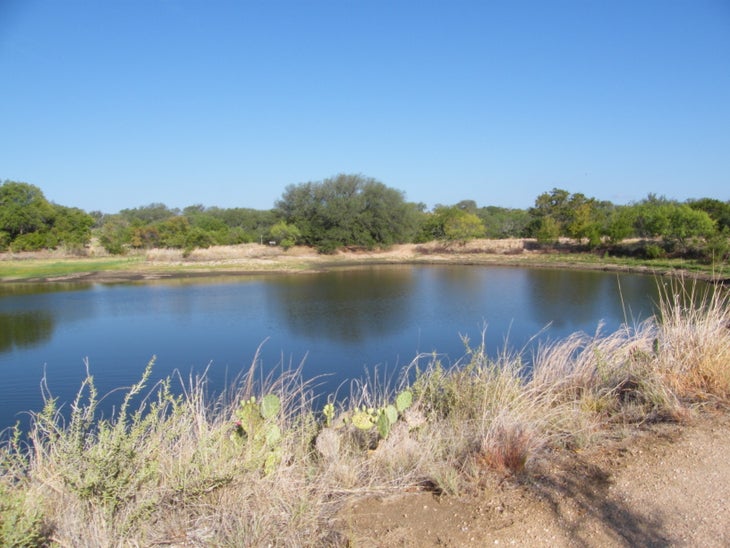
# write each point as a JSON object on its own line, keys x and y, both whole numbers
{"x": 656, "y": 265}
{"x": 50, "y": 268}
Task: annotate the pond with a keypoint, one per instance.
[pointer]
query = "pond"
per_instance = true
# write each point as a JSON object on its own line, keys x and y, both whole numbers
{"x": 339, "y": 325}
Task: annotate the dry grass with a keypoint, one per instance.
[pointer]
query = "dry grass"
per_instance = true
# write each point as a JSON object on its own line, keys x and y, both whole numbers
{"x": 693, "y": 343}
{"x": 169, "y": 469}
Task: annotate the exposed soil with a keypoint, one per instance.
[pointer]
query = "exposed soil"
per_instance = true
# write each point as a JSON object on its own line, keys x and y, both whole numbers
{"x": 663, "y": 485}
{"x": 248, "y": 259}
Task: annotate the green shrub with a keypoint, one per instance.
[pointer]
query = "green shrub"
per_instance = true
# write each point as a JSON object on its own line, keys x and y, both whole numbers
{"x": 21, "y": 523}
{"x": 653, "y": 251}
{"x": 34, "y": 241}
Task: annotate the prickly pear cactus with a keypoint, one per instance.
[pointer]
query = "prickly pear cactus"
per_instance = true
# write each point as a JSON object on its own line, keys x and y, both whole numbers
{"x": 382, "y": 418}
{"x": 384, "y": 423}
{"x": 329, "y": 414}
{"x": 362, "y": 419}
{"x": 391, "y": 413}
{"x": 270, "y": 406}
{"x": 403, "y": 400}
{"x": 260, "y": 434}
{"x": 249, "y": 417}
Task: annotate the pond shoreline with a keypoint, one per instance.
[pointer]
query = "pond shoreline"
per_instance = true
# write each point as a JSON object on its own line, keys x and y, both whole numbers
{"x": 256, "y": 259}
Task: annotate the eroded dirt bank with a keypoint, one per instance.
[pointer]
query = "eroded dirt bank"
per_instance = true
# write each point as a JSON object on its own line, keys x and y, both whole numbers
{"x": 664, "y": 485}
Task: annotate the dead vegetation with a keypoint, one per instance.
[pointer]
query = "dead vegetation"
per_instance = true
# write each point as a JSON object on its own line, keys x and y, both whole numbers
{"x": 172, "y": 467}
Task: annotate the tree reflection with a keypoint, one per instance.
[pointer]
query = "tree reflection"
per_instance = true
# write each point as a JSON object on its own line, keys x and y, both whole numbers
{"x": 567, "y": 298}
{"x": 350, "y": 305}
{"x": 25, "y": 329}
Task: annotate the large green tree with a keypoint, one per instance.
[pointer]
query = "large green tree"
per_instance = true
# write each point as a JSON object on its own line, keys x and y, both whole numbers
{"x": 23, "y": 209}
{"x": 347, "y": 210}
{"x": 560, "y": 213}
{"x": 29, "y": 222}
{"x": 679, "y": 225}
{"x": 72, "y": 226}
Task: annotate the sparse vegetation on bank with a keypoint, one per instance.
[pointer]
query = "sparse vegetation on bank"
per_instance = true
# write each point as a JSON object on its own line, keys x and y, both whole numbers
{"x": 174, "y": 467}
{"x": 256, "y": 258}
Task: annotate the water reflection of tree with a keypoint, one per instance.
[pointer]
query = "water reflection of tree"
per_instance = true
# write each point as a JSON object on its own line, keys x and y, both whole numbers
{"x": 567, "y": 298}
{"x": 564, "y": 298}
{"x": 347, "y": 305}
{"x": 24, "y": 329}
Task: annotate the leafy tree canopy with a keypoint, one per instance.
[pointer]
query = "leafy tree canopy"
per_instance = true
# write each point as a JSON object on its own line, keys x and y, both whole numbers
{"x": 29, "y": 222}
{"x": 501, "y": 222}
{"x": 148, "y": 214}
{"x": 23, "y": 209}
{"x": 717, "y": 210}
{"x": 347, "y": 210}
{"x": 452, "y": 224}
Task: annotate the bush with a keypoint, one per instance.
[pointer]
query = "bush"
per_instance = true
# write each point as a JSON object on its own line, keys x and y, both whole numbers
{"x": 21, "y": 524}
{"x": 197, "y": 238}
{"x": 653, "y": 251}
{"x": 34, "y": 241}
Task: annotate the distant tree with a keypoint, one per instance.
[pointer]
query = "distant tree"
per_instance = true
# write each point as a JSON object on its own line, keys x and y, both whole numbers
{"x": 148, "y": 214}
{"x": 677, "y": 224}
{"x": 193, "y": 210}
{"x": 115, "y": 234}
{"x": 687, "y": 224}
{"x": 463, "y": 227}
{"x": 583, "y": 220}
{"x": 452, "y": 224}
{"x": 285, "y": 234}
{"x": 547, "y": 231}
{"x": 347, "y": 210}
{"x": 501, "y": 222}
{"x": 470, "y": 206}
{"x": 173, "y": 232}
{"x": 144, "y": 237}
{"x": 244, "y": 224}
{"x": 72, "y": 226}
{"x": 717, "y": 210}
{"x": 98, "y": 217}
{"x": 652, "y": 217}
{"x": 574, "y": 215}
{"x": 34, "y": 241}
{"x": 23, "y": 209}
{"x": 620, "y": 223}
{"x": 555, "y": 204}
{"x": 197, "y": 238}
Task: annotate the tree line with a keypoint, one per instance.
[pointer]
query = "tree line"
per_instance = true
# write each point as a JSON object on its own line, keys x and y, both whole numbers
{"x": 357, "y": 211}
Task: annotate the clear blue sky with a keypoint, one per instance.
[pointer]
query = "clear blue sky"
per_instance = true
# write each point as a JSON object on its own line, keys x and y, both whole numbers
{"x": 108, "y": 104}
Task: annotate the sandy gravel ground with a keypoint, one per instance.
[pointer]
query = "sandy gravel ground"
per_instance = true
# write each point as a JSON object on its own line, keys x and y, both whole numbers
{"x": 666, "y": 485}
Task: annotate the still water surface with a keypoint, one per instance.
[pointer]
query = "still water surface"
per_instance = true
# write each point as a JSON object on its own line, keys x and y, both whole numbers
{"x": 340, "y": 323}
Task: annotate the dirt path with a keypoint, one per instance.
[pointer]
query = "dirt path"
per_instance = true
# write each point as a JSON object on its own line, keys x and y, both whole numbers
{"x": 665, "y": 486}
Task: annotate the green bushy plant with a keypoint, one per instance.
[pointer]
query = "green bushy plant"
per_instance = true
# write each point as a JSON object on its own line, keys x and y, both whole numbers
{"x": 21, "y": 523}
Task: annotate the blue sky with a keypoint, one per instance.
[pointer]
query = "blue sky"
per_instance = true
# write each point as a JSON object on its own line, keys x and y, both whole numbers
{"x": 107, "y": 104}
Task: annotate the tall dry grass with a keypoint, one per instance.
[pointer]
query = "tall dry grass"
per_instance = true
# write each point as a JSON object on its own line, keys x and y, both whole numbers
{"x": 171, "y": 468}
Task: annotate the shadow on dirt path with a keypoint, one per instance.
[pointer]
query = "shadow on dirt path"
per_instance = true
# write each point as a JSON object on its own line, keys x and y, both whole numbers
{"x": 665, "y": 485}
